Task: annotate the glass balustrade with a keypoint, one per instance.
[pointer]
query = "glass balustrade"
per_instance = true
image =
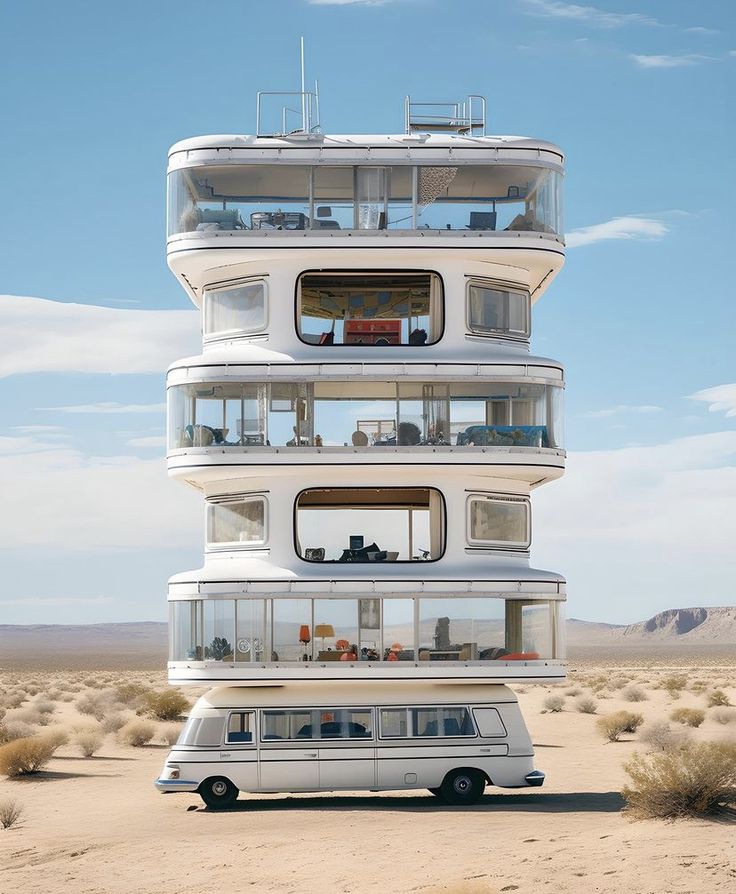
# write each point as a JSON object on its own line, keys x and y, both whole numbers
{"x": 376, "y": 415}
{"x": 322, "y": 630}
{"x": 256, "y": 199}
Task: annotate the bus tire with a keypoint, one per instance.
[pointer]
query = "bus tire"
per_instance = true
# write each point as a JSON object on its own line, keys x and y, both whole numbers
{"x": 218, "y": 793}
{"x": 464, "y": 786}
{"x": 436, "y": 792}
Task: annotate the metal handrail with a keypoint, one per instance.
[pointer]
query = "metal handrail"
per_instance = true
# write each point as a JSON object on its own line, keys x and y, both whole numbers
{"x": 462, "y": 116}
{"x": 309, "y": 111}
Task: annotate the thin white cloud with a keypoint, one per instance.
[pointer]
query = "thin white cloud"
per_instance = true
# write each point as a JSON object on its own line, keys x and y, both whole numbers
{"x": 92, "y": 503}
{"x": 107, "y": 407}
{"x": 630, "y": 528}
{"x": 617, "y": 228}
{"x": 587, "y": 15}
{"x": 39, "y": 335}
{"x": 158, "y": 441}
{"x": 722, "y": 398}
{"x": 661, "y": 61}
{"x": 624, "y": 409}
{"x": 699, "y": 29}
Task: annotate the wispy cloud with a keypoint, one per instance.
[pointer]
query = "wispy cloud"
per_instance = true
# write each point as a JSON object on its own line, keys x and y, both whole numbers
{"x": 682, "y": 61}
{"x": 721, "y": 398}
{"x": 617, "y": 228}
{"x": 623, "y": 409}
{"x": 157, "y": 441}
{"x": 699, "y": 29}
{"x": 108, "y": 407}
{"x": 39, "y": 335}
{"x": 588, "y": 15}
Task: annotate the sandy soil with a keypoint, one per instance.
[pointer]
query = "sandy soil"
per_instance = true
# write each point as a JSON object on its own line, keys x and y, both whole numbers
{"x": 97, "y": 825}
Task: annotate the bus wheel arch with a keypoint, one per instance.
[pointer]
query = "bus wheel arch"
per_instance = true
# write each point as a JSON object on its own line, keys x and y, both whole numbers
{"x": 463, "y": 785}
{"x": 218, "y": 792}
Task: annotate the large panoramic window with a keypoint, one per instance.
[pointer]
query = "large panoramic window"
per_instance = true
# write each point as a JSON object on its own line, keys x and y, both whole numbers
{"x": 497, "y": 521}
{"x": 493, "y": 310}
{"x": 381, "y": 309}
{"x": 234, "y": 310}
{"x": 237, "y": 522}
{"x": 432, "y": 722}
{"x": 370, "y": 629}
{"x": 260, "y": 198}
{"x": 334, "y": 413}
{"x": 389, "y": 524}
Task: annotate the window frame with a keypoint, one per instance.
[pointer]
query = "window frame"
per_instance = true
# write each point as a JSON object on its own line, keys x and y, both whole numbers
{"x": 443, "y": 524}
{"x": 409, "y": 726}
{"x": 243, "y": 744}
{"x": 225, "y": 334}
{"x": 502, "y": 735}
{"x": 487, "y": 497}
{"x": 357, "y": 271}
{"x": 311, "y": 709}
{"x": 498, "y": 286}
{"x": 236, "y": 544}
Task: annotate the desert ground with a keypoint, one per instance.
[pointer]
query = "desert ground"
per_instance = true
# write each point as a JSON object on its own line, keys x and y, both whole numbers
{"x": 96, "y": 824}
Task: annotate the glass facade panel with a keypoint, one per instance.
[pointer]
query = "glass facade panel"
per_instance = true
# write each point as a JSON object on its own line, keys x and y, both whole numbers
{"x": 499, "y": 521}
{"x": 239, "y": 522}
{"x": 257, "y": 197}
{"x": 447, "y": 629}
{"x": 239, "y": 308}
{"x": 367, "y": 414}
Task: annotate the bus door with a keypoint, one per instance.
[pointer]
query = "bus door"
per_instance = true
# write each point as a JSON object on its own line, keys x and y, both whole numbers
{"x": 347, "y": 754}
{"x": 289, "y": 759}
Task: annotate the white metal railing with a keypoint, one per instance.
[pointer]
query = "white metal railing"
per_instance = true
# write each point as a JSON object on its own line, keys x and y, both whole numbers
{"x": 467, "y": 117}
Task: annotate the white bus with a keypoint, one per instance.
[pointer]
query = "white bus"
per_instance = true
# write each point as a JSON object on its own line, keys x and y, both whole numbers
{"x": 452, "y": 739}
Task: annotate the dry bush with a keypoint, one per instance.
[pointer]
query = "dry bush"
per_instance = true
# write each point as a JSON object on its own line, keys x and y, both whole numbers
{"x": 586, "y": 704}
{"x": 718, "y": 699}
{"x": 689, "y": 716}
{"x": 10, "y": 812}
{"x": 724, "y": 715}
{"x": 169, "y": 733}
{"x": 15, "y": 729}
{"x": 612, "y": 726}
{"x": 167, "y": 705}
{"x": 554, "y": 704}
{"x": 113, "y": 723}
{"x": 131, "y": 693}
{"x": 14, "y": 699}
{"x": 24, "y": 757}
{"x": 96, "y": 704}
{"x": 633, "y": 694}
{"x": 574, "y": 692}
{"x": 698, "y": 686}
{"x": 56, "y": 736}
{"x": 29, "y": 715}
{"x": 44, "y": 706}
{"x": 673, "y": 684}
{"x": 697, "y": 780}
{"x": 660, "y": 736}
{"x": 137, "y": 733}
{"x": 88, "y": 741}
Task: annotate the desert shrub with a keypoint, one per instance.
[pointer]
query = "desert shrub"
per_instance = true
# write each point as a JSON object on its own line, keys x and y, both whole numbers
{"x": 14, "y": 699}
{"x": 131, "y": 693}
{"x": 633, "y": 694}
{"x": 660, "y": 736}
{"x": 673, "y": 684}
{"x": 586, "y": 704}
{"x": 15, "y": 729}
{"x": 137, "y": 733}
{"x": 30, "y": 716}
{"x": 718, "y": 699}
{"x": 689, "y": 716}
{"x": 44, "y": 706}
{"x": 96, "y": 704}
{"x": 612, "y": 726}
{"x": 88, "y": 741}
{"x": 10, "y": 812}
{"x": 574, "y": 692}
{"x": 693, "y": 781}
{"x": 113, "y": 723}
{"x": 25, "y": 756}
{"x": 56, "y": 736}
{"x": 698, "y": 686}
{"x": 169, "y": 733}
{"x": 166, "y": 705}
{"x": 723, "y": 715}
{"x": 554, "y": 703}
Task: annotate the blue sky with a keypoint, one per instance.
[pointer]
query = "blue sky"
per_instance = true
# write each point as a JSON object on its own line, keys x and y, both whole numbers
{"x": 640, "y": 96}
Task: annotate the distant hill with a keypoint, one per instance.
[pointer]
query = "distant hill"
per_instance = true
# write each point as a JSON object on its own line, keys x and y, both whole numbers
{"x": 144, "y": 644}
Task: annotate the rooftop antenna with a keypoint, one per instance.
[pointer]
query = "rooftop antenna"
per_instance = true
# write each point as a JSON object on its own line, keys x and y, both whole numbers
{"x": 308, "y": 108}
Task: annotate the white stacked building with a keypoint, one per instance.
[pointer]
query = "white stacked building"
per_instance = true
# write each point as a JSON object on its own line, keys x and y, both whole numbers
{"x": 366, "y": 422}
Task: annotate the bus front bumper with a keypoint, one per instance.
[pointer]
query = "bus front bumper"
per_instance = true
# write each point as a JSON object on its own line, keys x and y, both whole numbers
{"x": 176, "y": 785}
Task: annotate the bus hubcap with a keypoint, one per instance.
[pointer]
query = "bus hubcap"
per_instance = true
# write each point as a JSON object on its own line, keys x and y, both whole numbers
{"x": 462, "y": 785}
{"x": 219, "y": 788}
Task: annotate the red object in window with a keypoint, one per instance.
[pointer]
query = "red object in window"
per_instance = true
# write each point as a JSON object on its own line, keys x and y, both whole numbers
{"x": 304, "y": 636}
{"x": 342, "y": 644}
{"x": 372, "y": 332}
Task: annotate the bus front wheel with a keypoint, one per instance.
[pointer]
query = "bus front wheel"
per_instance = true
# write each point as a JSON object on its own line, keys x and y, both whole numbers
{"x": 463, "y": 787}
{"x": 218, "y": 793}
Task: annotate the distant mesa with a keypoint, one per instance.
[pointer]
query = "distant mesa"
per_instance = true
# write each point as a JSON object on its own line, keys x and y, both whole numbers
{"x": 715, "y": 625}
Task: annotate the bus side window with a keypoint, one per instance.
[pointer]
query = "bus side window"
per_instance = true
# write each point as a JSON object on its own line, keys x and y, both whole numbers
{"x": 240, "y": 727}
{"x": 442, "y": 722}
{"x": 489, "y": 722}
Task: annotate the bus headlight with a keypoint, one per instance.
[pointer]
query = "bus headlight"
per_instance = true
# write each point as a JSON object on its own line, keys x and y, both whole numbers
{"x": 173, "y": 771}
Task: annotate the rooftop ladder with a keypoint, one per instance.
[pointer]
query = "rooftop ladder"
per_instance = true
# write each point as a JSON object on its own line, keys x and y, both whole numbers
{"x": 467, "y": 118}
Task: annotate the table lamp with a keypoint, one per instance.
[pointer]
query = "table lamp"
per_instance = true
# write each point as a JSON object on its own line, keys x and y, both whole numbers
{"x": 324, "y": 631}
